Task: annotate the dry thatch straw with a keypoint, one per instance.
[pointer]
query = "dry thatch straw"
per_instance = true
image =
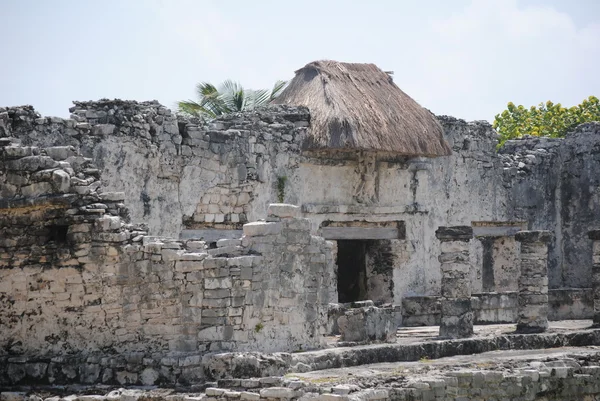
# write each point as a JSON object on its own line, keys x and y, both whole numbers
{"x": 358, "y": 106}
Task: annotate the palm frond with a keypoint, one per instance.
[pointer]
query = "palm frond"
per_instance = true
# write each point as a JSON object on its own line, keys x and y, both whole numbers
{"x": 277, "y": 89}
{"x": 229, "y": 97}
{"x": 194, "y": 109}
{"x": 262, "y": 97}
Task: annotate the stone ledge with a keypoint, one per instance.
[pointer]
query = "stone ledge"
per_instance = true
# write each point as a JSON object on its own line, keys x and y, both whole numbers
{"x": 534, "y": 236}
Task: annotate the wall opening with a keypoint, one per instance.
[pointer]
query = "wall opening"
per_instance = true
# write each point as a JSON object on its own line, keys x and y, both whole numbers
{"x": 58, "y": 234}
{"x": 351, "y": 272}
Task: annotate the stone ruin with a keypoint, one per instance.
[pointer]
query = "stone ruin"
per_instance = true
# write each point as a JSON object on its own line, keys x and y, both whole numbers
{"x": 139, "y": 247}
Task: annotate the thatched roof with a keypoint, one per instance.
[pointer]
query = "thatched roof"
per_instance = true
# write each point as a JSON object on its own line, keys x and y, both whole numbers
{"x": 358, "y": 107}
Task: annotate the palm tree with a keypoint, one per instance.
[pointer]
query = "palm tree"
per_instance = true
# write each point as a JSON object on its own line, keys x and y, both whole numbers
{"x": 230, "y": 97}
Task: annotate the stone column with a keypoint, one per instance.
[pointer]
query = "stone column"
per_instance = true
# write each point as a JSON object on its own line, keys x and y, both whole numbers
{"x": 456, "y": 316}
{"x": 595, "y": 237}
{"x": 533, "y": 281}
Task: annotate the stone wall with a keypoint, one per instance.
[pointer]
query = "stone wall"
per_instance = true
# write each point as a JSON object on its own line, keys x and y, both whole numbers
{"x": 217, "y": 175}
{"x": 553, "y": 184}
{"x": 222, "y": 174}
{"x": 88, "y": 297}
{"x": 563, "y": 378}
{"x": 493, "y": 307}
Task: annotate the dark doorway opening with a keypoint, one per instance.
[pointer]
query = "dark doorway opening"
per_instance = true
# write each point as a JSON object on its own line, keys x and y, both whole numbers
{"x": 58, "y": 234}
{"x": 351, "y": 274}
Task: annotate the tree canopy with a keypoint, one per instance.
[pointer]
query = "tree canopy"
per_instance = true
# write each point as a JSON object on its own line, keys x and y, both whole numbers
{"x": 229, "y": 97}
{"x": 547, "y": 119}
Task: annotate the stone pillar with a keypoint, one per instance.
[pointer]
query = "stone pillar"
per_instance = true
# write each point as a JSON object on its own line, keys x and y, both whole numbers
{"x": 533, "y": 281}
{"x": 595, "y": 237}
{"x": 456, "y": 316}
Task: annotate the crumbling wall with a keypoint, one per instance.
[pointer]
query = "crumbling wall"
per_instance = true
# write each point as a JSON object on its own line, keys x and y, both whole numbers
{"x": 553, "y": 184}
{"x": 224, "y": 173}
{"x": 220, "y": 174}
{"x": 82, "y": 290}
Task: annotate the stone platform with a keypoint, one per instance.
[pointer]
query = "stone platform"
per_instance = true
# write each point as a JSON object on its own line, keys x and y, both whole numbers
{"x": 565, "y": 373}
{"x": 412, "y": 344}
{"x": 494, "y": 362}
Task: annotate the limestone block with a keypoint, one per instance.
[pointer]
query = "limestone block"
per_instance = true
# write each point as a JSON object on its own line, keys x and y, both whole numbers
{"x": 8, "y": 190}
{"x": 368, "y": 324}
{"x": 260, "y": 228}
{"x": 283, "y": 210}
{"x": 185, "y": 266}
{"x": 36, "y": 189}
{"x": 215, "y": 283}
{"x": 277, "y": 392}
{"x": 195, "y": 245}
{"x": 244, "y": 261}
{"x": 534, "y": 236}
{"x": 103, "y": 129}
{"x": 61, "y": 181}
{"x": 228, "y": 242}
{"x": 113, "y": 196}
{"x": 248, "y": 396}
{"x": 13, "y": 396}
{"x": 149, "y": 376}
{"x": 193, "y": 256}
{"x": 456, "y": 233}
{"x": 15, "y": 152}
{"x": 108, "y": 223}
{"x": 17, "y": 178}
{"x": 457, "y": 318}
{"x": 60, "y": 152}
{"x": 32, "y": 163}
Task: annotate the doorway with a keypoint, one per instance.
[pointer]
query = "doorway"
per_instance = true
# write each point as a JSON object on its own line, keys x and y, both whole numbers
{"x": 351, "y": 272}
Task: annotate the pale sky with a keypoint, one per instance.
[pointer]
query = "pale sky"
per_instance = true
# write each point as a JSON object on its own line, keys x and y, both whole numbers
{"x": 465, "y": 58}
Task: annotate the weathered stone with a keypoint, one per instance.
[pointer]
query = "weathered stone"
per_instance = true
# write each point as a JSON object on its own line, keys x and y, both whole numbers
{"x": 456, "y": 311}
{"x": 533, "y": 281}
{"x": 594, "y": 235}
{"x": 277, "y": 392}
{"x": 61, "y": 181}
{"x": 261, "y": 228}
{"x": 368, "y": 324}
{"x": 283, "y": 210}
{"x": 534, "y": 236}
{"x": 456, "y": 233}
{"x": 36, "y": 189}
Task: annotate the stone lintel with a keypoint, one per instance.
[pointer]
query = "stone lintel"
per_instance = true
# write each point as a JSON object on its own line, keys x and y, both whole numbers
{"x": 498, "y": 230}
{"x": 454, "y": 233}
{"x": 361, "y": 233}
{"x": 594, "y": 235}
{"x": 543, "y": 236}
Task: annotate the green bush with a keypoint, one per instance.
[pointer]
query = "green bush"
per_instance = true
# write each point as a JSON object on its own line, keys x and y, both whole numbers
{"x": 547, "y": 119}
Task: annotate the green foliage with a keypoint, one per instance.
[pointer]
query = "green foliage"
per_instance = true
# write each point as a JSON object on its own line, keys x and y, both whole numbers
{"x": 281, "y": 188}
{"x": 229, "y": 97}
{"x": 547, "y": 119}
{"x": 258, "y": 327}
